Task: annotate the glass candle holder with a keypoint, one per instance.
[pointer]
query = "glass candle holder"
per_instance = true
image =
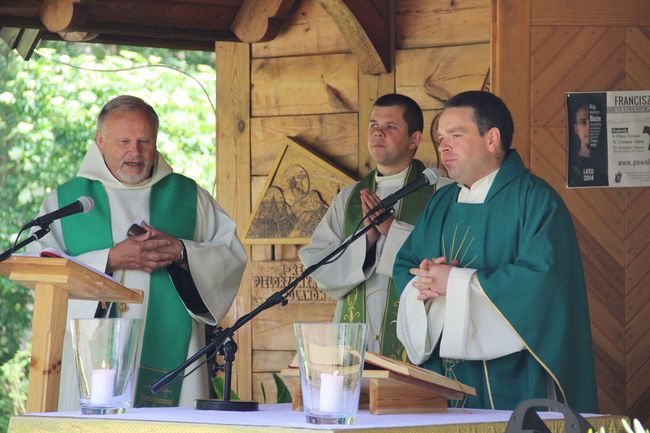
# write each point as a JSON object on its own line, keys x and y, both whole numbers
{"x": 331, "y": 357}
{"x": 105, "y": 352}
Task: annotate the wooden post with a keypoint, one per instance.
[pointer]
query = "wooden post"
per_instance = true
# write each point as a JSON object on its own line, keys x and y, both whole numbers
{"x": 511, "y": 66}
{"x": 372, "y": 87}
{"x": 233, "y": 61}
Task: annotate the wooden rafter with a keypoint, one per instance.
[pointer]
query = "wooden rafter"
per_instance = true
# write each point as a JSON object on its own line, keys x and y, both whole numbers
{"x": 259, "y": 21}
{"x": 63, "y": 15}
{"x": 366, "y": 26}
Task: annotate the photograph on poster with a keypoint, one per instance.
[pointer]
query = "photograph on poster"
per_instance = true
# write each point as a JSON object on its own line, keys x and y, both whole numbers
{"x": 587, "y": 143}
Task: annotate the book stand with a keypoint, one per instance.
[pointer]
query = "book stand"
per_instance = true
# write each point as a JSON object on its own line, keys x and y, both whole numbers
{"x": 390, "y": 386}
{"x": 55, "y": 281}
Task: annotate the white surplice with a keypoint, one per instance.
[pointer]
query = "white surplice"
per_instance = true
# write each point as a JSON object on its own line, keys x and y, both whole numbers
{"x": 216, "y": 260}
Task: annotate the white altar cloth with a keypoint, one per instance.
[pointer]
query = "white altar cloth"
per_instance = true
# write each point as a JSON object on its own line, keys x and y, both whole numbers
{"x": 269, "y": 417}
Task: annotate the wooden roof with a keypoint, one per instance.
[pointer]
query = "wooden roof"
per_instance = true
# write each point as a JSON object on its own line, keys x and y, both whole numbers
{"x": 190, "y": 24}
{"x": 181, "y": 24}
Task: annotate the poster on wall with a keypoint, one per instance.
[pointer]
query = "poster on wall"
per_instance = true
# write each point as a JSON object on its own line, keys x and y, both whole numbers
{"x": 608, "y": 139}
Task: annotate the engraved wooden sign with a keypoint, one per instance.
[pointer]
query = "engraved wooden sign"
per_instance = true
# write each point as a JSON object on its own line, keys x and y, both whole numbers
{"x": 270, "y": 276}
{"x": 272, "y": 330}
{"x": 295, "y": 197}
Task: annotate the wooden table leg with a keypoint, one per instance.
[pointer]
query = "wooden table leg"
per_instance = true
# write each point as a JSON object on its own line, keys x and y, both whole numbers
{"x": 48, "y": 329}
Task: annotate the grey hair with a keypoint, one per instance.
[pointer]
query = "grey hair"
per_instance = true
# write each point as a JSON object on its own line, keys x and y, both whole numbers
{"x": 124, "y": 103}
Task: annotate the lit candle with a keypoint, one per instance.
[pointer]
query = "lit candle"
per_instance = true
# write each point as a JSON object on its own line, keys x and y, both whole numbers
{"x": 331, "y": 392}
{"x": 101, "y": 386}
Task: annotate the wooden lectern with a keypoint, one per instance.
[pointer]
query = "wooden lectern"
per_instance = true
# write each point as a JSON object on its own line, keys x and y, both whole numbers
{"x": 54, "y": 281}
{"x": 391, "y": 386}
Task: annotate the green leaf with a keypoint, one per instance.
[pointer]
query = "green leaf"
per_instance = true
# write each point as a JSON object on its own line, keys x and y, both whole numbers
{"x": 218, "y": 384}
{"x": 284, "y": 396}
{"x": 263, "y": 392}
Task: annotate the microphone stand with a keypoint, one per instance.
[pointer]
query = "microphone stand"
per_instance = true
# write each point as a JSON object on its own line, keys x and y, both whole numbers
{"x": 34, "y": 237}
{"x": 222, "y": 338}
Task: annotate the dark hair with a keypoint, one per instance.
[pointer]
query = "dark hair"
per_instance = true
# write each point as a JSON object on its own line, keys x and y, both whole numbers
{"x": 412, "y": 111}
{"x": 489, "y": 112}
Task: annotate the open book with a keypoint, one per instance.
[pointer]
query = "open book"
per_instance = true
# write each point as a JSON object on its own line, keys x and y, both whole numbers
{"x": 375, "y": 361}
{"x": 410, "y": 370}
{"x": 55, "y": 253}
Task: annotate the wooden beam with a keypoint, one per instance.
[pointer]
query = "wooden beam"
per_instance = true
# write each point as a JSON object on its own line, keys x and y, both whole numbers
{"x": 61, "y": 15}
{"x": 142, "y": 41}
{"x": 511, "y": 67}
{"x": 23, "y": 8}
{"x": 260, "y": 21}
{"x": 366, "y": 26}
{"x": 21, "y": 22}
{"x": 27, "y": 42}
{"x": 371, "y": 87}
{"x": 155, "y": 32}
{"x": 10, "y": 35}
{"x": 233, "y": 66}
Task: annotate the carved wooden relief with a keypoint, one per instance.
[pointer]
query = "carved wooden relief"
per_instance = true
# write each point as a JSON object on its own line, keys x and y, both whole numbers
{"x": 295, "y": 197}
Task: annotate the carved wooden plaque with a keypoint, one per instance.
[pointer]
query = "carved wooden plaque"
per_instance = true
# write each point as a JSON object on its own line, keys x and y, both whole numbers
{"x": 270, "y": 276}
{"x": 295, "y": 197}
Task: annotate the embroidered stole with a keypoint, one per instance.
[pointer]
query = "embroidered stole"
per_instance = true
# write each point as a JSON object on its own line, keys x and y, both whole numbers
{"x": 168, "y": 326}
{"x": 354, "y": 303}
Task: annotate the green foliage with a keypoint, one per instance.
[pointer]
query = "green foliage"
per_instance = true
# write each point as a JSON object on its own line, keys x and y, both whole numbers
{"x": 47, "y": 121}
{"x": 13, "y": 386}
{"x": 219, "y": 384}
{"x": 284, "y": 396}
{"x": 281, "y": 391}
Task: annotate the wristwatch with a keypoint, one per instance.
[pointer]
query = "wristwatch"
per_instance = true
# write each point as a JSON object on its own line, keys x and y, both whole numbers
{"x": 181, "y": 256}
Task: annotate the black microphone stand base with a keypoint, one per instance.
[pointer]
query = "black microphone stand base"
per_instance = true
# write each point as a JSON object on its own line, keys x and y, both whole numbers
{"x": 232, "y": 405}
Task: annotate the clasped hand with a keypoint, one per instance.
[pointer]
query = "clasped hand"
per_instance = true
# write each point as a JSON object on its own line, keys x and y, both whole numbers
{"x": 433, "y": 275}
{"x": 368, "y": 201}
{"x": 146, "y": 252}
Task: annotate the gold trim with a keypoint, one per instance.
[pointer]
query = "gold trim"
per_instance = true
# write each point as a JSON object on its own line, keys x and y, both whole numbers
{"x": 460, "y": 262}
{"x": 28, "y": 424}
{"x": 442, "y": 241}
{"x": 453, "y": 241}
{"x": 548, "y": 370}
{"x": 471, "y": 261}
{"x": 460, "y": 247}
{"x": 487, "y": 380}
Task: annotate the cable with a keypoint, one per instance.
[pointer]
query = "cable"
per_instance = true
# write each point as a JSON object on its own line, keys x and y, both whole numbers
{"x": 151, "y": 65}
{"x": 133, "y": 68}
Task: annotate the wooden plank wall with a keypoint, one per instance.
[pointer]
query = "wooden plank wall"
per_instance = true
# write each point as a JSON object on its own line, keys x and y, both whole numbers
{"x": 584, "y": 45}
{"x": 307, "y": 83}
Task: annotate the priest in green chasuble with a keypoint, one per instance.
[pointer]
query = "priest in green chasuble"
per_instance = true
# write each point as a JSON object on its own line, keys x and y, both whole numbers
{"x": 188, "y": 260}
{"x": 491, "y": 285}
{"x": 360, "y": 279}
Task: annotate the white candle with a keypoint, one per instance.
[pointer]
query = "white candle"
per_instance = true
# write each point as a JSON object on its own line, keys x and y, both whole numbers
{"x": 331, "y": 392}
{"x": 101, "y": 386}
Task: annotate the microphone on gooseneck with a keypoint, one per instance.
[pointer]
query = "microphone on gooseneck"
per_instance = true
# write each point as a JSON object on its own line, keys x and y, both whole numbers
{"x": 429, "y": 176}
{"x": 83, "y": 204}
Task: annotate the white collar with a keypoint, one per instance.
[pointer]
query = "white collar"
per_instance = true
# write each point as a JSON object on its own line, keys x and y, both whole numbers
{"x": 478, "y": 191}
{"x": 396, "y": 179}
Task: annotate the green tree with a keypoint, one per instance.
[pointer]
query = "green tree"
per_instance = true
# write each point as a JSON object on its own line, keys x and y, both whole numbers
{"x": 47, "y": 121}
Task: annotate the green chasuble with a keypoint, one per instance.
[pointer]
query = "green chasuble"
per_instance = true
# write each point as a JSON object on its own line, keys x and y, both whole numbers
{"x": 354, "y": 303}
{"x": 168, "y": 326}
{"x": 523, "y": 244}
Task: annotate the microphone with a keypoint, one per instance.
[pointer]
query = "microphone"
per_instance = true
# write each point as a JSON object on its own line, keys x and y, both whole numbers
{"x": 83, "y": 204}
{"x": 429, "y": 176}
